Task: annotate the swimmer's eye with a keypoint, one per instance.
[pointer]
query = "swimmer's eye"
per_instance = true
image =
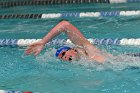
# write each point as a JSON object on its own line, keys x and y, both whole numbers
{"x": 63, "y": 54}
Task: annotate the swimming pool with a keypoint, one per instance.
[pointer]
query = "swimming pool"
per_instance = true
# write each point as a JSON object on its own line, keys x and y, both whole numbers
{"x": 46, "y": 74}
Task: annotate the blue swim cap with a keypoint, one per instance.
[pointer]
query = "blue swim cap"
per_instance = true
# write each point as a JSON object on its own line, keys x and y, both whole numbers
{"x": 61, "y": 49}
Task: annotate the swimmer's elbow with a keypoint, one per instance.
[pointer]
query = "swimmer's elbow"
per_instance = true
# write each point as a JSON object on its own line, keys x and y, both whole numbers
{"x": 65, "y": 23}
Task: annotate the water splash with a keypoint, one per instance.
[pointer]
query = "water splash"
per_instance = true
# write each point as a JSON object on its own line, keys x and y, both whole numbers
{"x": 117, "y": 62}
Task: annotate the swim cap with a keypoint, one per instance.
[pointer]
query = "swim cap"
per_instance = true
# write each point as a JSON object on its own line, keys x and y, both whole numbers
{"x": 61, "y": 49}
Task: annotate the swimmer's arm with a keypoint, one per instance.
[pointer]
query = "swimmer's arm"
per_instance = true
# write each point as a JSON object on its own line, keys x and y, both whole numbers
{"x": 72, "y": 32}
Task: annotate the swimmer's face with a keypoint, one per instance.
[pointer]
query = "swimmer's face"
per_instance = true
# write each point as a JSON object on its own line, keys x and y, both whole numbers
{"x": 69, "y": 55}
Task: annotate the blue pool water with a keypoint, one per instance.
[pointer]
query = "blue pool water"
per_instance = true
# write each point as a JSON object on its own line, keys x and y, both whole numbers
{"x": 46, "y": 74}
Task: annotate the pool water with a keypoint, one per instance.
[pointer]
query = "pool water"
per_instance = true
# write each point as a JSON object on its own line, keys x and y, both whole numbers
{"x": 46, "y": 74}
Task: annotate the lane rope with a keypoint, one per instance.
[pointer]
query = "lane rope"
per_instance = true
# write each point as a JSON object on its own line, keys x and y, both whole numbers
{"x": 71, "y": 15}
{"x": 104, "y": 41}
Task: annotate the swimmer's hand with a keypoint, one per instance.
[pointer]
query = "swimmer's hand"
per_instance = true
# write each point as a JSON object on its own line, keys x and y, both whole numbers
{"x": 35, "y": 48}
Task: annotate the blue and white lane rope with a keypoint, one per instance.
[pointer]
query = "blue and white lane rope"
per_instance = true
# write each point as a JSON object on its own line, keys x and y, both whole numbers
{"x": 104, "y": 41}
{"x": 91, "y": 14}
{"x": 71, "y": 15}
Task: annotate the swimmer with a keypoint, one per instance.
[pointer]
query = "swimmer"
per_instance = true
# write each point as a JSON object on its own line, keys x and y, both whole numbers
{"x": 83, "y": 47}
